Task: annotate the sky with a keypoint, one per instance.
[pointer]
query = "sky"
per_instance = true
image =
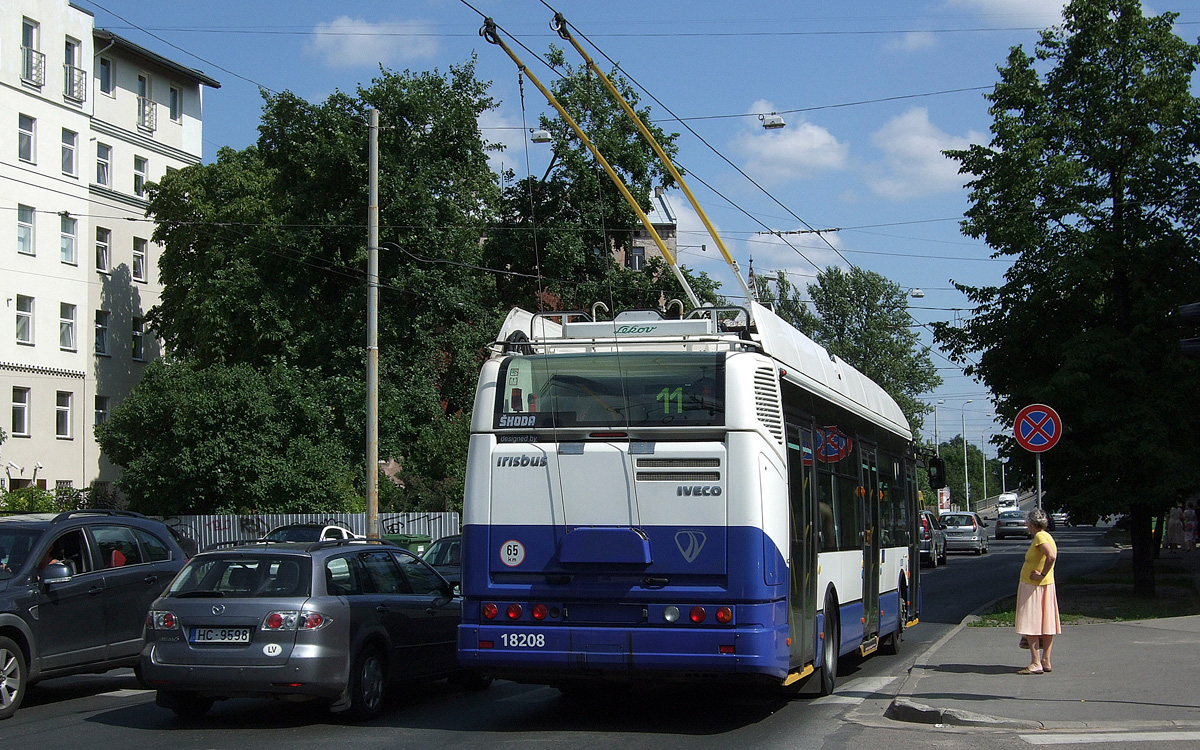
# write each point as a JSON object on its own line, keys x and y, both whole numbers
{"x": 871, "y": 91}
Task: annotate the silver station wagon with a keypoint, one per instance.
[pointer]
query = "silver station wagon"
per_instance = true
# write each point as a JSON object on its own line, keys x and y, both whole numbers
{"x": 966, "y": 532}
{"x": 336, "y": 620}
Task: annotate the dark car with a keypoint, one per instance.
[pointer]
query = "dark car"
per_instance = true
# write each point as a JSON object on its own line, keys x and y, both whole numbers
{"x": 445, "y": 555}
{"x": 1011, "y": 523}
{"x": 309, "y": 532}
{"x": 932, "y": 535}
{"x": 965, "y": 531}
{"x": 336, "y": 621}
{"x": 74, "y": 591}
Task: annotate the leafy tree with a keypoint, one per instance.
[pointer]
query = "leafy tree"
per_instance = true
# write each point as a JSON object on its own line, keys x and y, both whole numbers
{"x": 228, "y": 439}
{"x": 863, "y": 318}
{"x": 1090, "y": 186}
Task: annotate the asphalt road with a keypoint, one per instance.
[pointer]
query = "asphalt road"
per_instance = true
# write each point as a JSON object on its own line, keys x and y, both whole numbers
{"x": 109, "y": 711}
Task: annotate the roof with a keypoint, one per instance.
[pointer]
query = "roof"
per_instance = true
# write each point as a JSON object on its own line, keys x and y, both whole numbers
{"x": 125, "y": 45}
{"x": 660, "y": 212}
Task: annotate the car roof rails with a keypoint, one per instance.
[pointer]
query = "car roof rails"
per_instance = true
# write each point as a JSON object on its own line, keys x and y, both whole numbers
{"x": 243, "y": 543}
{"x": 96, "y": 512}
{"x": 327, "y": 543}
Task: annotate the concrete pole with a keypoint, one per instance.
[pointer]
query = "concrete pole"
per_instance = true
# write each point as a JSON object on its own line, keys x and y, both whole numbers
{"x": 983, "y": 445}
{"x": 373, "y": 329}
{"x": 966, "y": 467}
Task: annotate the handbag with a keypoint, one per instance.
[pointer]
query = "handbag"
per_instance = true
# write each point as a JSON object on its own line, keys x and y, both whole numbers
{"x": 1024, "y": 642}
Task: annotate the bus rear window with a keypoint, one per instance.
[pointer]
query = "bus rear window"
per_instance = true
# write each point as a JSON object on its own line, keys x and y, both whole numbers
{"x": 611, "y": 390}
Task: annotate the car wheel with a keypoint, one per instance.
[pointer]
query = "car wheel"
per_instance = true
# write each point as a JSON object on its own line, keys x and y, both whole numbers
{"x": 12, "y": 677}
{"x": 368, "y": 681}
{"x": 829, "y": 647}
{"x": 185, "y": 705}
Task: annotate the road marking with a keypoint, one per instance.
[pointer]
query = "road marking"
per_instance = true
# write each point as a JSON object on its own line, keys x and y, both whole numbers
{"x": 123, "y": 693}
{"x": 1097, "y": 737}
{"x": 857, "y": 691}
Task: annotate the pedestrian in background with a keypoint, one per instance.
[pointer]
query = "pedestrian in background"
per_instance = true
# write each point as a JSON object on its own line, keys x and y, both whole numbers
{"x": 1037, "y": 619}
{"x": 1174, "y": 540}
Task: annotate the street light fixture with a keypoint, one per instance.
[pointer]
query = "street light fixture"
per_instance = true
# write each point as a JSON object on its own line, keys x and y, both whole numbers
{"x": 772, "y": 121}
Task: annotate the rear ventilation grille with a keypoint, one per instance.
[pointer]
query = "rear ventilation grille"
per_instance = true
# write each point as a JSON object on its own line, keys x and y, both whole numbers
{"x": 679, "y": 476}
{"x": 677, "y": 463}
{"x": 767, "y": 402}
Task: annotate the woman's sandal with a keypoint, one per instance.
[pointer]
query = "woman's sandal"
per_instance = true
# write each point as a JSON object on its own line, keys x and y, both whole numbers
{"x": 1047, "y": 669}
{"x": 1027, "y": 670}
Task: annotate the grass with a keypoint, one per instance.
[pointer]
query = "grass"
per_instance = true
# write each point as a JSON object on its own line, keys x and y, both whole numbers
{"x": 1108, "y": 597}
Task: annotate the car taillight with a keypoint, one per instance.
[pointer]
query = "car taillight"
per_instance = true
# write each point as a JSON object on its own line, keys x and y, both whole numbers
{"x": 282, "y": 620}
{"x": 161, "y": 620}
{"x": 313, "y": 620}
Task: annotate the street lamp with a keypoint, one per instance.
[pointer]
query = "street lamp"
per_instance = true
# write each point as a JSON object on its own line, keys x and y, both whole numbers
{"x": 966, "y": 469}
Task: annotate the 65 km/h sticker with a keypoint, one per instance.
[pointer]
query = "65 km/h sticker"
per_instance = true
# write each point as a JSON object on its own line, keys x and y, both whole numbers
{"x": 512, "y": 553}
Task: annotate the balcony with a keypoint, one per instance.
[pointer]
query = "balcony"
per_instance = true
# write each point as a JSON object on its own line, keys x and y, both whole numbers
{"x": 74, "y": 83}
{"x": 147, "y": 114}
{"x": 33, "y": 67}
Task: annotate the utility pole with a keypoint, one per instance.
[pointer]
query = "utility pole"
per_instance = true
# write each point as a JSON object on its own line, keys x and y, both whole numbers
{"x": 373, "y": 328}
{"x": 937, "y": 445}
{"x": 966, "y": 467}
{"x": 983, "y": 445}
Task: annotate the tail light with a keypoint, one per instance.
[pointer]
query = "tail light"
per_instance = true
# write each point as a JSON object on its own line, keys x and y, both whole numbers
{"x": 161, "y": 620}
{"x": 284, "y": 620}
{"x": 514, "y": 611}
{"x": 724, "y": 615}
{"x": 489, "y": 611}
{"x": 697, "y": 615}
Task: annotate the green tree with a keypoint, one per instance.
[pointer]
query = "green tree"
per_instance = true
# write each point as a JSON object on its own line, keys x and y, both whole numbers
{"x": 228, "y": 439}
{"x": 863, "y": 318}
{"x": 1089, "y": 186}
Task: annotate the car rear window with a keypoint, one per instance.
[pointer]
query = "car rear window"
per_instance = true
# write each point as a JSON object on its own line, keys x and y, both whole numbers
{"x": 957, "y": 520}
{"x": 244, "y": 576}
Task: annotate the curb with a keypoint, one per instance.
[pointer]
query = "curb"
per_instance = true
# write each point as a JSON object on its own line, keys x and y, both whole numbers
{"x": 902, "y": 709}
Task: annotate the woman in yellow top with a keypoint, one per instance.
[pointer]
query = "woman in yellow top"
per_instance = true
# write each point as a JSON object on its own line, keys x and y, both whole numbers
{"x": 1037, "y": 601}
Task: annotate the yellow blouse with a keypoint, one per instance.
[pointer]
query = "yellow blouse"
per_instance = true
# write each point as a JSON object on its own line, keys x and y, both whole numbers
{"x": 1035, "y": 559}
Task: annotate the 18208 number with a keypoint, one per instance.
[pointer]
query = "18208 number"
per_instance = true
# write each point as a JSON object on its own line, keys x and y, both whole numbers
{"x": 523, "y": 640}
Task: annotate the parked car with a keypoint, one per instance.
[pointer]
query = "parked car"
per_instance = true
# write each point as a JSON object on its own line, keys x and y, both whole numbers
{"x": 933, "y": 538}
{"x": 74, "y": 591}
{"x": 445, "y": 555}
{"x": 335, "y": 620}
{"x": 310, "y": 532}
{"x": 966, "y": 532}
{"x": 1060, "y": 518}
{"x": 1011, "y": 523}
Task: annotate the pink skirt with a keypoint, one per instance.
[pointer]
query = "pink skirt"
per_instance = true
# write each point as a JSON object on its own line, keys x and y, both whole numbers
{"x": 1037, "y": 610}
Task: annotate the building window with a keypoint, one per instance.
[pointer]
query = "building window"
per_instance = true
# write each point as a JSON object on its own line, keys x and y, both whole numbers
{"x": 105, "y": 73}
{"x": 62, "y": 415}
{"x": 637, "y": 258}
{"x": 103, "y": 164}
{"x": 70, "y": 140}
{"x": 66, "y": 327}
{"x": 20, "y": 411}
{"x": 139, "y": 353}
{"x": 26, "y": 141}
{"x": 25, "y": 230}
{"x": 24, "y": 319}
{"x": 67, "y": 244}
{"x": 103, "y": 251}
{"x": 176, "y": 105}
{"x": 33, "y": 62}
{"x": 147, "y": 114}
{"x": 101, "y": 409}
{"x": 102, "y": 331}
{"x": 139, "y": 259}
{"x": 140, "y": 167}
{"x": 74, "y": 77}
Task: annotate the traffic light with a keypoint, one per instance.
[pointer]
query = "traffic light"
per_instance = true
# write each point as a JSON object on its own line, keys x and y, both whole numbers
{"x": 937, "y": 473}
{"x": 1190, "y": 314}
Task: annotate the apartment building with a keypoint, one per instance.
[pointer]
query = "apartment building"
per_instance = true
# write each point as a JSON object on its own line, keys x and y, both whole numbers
{"x": 87, "y": 119}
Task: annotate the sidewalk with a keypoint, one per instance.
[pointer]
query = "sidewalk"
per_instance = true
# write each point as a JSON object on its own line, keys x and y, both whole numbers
{"x": 1127, "y": 675}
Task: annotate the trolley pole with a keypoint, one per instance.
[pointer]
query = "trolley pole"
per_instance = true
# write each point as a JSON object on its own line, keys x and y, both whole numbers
{"x": 373, "y": 329}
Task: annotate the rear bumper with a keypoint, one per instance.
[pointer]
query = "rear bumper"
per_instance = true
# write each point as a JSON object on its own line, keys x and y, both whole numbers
{"x": 308, "y": 671}
{"x": 972, "y": 543}
{"x": 660, "y": 653}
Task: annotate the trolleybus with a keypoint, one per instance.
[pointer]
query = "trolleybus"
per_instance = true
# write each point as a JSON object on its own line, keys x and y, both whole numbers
{"x": 714, "y": 497}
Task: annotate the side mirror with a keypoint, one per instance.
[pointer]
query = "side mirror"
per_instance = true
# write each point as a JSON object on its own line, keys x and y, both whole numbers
{"x": 56, "y": 573}
{"x": 937, "y": 473}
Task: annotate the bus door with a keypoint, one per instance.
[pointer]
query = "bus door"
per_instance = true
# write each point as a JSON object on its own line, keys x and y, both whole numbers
{"x": 869, "y": 489}
{"x": 802, "y": 564}
{"x": 913, "y": 504}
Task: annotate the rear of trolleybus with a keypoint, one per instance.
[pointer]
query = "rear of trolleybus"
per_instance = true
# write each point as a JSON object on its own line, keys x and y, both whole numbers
{"x": 626, "y": 516}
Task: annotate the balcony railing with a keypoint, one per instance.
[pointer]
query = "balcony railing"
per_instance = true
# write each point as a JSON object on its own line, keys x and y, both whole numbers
{"x": 74, "y": 83}
{"x": 33, "y": 66}
{"x": 147, "y": 113}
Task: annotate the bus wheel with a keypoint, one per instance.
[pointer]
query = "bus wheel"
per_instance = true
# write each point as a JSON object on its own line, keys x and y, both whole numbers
{"x": 891, "y": 644}
{"x": 829, "y": 647}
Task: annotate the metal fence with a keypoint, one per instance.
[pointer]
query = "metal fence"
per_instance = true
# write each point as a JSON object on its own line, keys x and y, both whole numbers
{"x": 206, "y": 530}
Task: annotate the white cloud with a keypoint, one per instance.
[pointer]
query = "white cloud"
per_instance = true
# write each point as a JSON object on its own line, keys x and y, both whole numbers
{"x": 913, "y": 164}
{"x": 352, "y": 42}
{"x": 913, "y": 41}
{"x": 795, "y": 151}
{"x": 1037, "y": 12}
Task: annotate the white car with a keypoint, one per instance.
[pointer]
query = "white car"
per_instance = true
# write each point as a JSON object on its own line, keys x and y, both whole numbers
{"x": 1007, "y": 501}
